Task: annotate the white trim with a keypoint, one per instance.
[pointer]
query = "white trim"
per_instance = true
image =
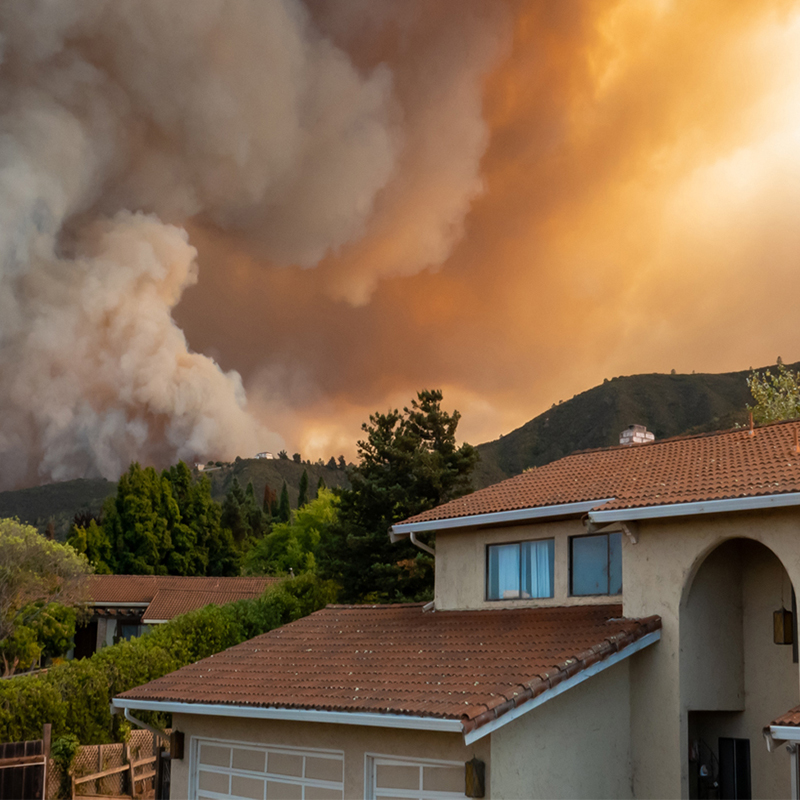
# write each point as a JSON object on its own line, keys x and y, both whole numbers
{"x": 496, "y": 517}
{"x": 785, "y": 733}
{"x": 402, "y": 721}
{"x": 155, "y": 621}
{"x": 700, "y": 507}
{"x": 296, "y": 714}
{"x": 558, "y": 689}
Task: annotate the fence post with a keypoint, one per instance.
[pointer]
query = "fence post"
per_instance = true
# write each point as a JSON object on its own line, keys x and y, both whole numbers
{"x": 129, "y": 760}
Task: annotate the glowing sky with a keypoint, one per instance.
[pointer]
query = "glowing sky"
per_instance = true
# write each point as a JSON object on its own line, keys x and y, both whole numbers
{"x": 638, "y": 213}
{"x": 249, "y": 226}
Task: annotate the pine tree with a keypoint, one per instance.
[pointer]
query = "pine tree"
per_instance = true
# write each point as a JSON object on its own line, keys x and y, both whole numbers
{"x": 408, "y": 463}
{"x": 284, "y": 509}
{"x": 302, "y": 498}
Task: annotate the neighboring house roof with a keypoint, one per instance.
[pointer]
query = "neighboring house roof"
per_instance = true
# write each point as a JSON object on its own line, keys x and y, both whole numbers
{"x": 468, "y": 666}
{"x": 166, "y": 596}
{"x": 790, "y": 719}
{"x": 684, "y": 469}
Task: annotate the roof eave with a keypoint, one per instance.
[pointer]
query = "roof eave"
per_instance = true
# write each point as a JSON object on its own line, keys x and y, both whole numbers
{"x": 405, "y": 721}
{"x": 402, "y": 529}
{"x": 727, "y": 505}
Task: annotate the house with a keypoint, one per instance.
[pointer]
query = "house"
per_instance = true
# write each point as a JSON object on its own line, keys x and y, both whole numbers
{"x": 126, "y": 605}
{"x": 618, "y": 623}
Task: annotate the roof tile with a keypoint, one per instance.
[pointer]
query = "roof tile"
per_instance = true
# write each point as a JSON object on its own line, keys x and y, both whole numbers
{"x": 679, "y": 470}
{"x": 401, "y": 660}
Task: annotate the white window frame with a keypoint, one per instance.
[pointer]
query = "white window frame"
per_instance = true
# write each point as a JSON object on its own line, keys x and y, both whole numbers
{"x": 194, "y": 764}
{"x": 372, "y": 760}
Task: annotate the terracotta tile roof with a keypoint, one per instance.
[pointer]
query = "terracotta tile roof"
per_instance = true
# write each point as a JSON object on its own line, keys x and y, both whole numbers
{"x": 172, "y": 602}
{"x": 465, "y": 665}
{"x": 678, "y": 470}
{"x": 790, "y": 719}
{"x": 166, "y": 596}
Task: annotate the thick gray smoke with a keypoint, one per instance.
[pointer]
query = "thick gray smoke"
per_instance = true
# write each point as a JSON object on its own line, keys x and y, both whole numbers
{"x": 120, "y": 120}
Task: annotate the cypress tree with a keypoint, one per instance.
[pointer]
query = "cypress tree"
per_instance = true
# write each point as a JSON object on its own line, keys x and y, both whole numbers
{"x": 303, "y": 496}
{"x": 321, "y": 484}
{"x": 284, "y": 509}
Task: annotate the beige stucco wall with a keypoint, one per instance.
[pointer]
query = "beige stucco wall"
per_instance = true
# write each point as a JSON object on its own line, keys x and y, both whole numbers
{"x": 576, "y": 745}
{"x": 671, "y": 678}
{"x": 461, "y": 565}
{"x": 356, "y": 741}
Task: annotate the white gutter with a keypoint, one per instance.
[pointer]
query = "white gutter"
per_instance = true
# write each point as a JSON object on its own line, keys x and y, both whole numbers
{"x": 402, "y": 721}
{"x": 701, "y": 507}
{"x": 295, "y": 714}
{"x": 496, "y": 517}
{"x": 785, "y": 733}
{"x": 565, "y": 685}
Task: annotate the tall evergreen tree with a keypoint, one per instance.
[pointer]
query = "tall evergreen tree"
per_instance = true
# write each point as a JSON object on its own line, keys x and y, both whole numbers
{"x": 321, "y": 484}
{"x": 284, "y": 509}
{"x": 270, "y": 505}
{"x": 408, "y": 463}
{"x": 233, "y": 513}
{"x": 302, "y": 498}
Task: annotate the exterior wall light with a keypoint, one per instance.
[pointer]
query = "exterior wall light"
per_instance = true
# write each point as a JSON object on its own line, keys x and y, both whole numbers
{"x": 782, "y": 628}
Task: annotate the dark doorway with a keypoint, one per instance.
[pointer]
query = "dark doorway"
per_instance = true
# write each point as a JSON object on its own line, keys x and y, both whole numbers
{"x": 734, "y": 769}
{"x": 86, "y": 640}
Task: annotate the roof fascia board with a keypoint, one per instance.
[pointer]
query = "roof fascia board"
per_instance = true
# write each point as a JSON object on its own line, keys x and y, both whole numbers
{"x": 295, "y": 714}
{"x": 114, "y": 604}
{"x": 700, "y": 507}
{"x": 156, "y": 621}
{"x": 569, "y": 683}
{"x": 787, "y": 733}
{"x": 496, "y": 517}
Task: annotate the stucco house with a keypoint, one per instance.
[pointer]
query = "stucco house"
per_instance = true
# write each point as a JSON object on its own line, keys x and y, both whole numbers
{"x": 619, "y": 623}
{"x": 123, "y": 606}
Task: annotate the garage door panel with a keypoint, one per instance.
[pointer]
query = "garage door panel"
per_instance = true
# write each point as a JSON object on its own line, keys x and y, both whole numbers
{"x": 242, "y": 771}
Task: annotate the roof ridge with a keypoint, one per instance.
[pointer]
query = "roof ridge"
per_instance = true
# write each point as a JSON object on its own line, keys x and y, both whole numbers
{"x": 679, "y": 438}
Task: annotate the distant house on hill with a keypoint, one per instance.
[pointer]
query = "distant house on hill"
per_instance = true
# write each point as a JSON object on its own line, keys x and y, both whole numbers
{"x": 126, "y": 605}
{"x": 265, "y": 454}
{"x": 617, "y": 623}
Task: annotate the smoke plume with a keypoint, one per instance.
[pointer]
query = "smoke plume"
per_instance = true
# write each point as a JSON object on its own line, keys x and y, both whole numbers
{"x": 122, "y": 122}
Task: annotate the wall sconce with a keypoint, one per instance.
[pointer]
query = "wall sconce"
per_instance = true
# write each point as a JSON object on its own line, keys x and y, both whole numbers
{"x": 475, "y": 774}
{"x": 782, "y": 627}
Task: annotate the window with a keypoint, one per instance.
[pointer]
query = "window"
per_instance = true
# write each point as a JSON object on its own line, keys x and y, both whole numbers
{"x": 596, "y": 564}
{"x": 520, "y": 571}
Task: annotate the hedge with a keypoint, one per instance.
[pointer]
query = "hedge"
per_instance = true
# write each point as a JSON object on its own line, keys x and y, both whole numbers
{"x": 75, "y": 697}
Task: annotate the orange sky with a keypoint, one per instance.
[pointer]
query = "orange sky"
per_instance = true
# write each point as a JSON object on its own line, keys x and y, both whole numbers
{"x": 637, "y": 212}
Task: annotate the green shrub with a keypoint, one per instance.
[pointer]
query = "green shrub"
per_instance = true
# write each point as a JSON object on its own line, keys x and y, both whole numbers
{"x": 76, "y": 697}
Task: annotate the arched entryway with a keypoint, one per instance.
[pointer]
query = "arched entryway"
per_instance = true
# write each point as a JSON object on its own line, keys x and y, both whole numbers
{"x": 734, "y": 677}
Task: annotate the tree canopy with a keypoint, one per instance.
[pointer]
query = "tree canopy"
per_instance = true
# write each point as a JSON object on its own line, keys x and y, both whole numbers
{"x": 408, "y": 462}
{"x": 41, "y": 582}
{"x": 776, "y": 395}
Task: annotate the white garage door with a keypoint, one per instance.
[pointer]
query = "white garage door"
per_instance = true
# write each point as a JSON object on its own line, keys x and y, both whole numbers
{"x": 390, "y": 778}
{"x": 241, "y": 771}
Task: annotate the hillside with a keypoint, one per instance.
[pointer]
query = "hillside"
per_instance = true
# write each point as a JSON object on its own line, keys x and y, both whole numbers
{"x": 59, "y": 502}
{"x": 669, "y": 405}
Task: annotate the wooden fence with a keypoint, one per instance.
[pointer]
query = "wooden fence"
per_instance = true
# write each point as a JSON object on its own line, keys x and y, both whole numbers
{"x": 23, "y": 768}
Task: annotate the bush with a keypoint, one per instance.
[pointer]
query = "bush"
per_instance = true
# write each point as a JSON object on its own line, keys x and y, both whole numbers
{"x": 76, "y": 697}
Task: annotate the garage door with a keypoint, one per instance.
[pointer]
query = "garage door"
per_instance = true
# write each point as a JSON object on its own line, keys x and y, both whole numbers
{"x": 414, "y": 779}
{"x": 240, "y": 771}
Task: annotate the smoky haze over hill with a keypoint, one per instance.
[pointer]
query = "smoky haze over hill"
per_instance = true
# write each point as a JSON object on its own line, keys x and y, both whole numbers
{"x": 669, "y": 405}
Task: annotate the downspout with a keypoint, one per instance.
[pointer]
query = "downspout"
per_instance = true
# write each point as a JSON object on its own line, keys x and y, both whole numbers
{"x": 139, "y": 724}
{"x": 428, "y": 549}
{"x": 421, "y": 545}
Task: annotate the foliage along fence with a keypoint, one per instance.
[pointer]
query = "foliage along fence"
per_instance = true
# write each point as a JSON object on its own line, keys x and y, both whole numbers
{"x": 75, "y": 697}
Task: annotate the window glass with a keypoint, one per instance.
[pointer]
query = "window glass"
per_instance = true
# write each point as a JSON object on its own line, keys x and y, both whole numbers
{"x": 537, "y": 568}
{"x": 521, "y": 570}
{"x": 597, "y": 564}
{"x": 503, "y": 571}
